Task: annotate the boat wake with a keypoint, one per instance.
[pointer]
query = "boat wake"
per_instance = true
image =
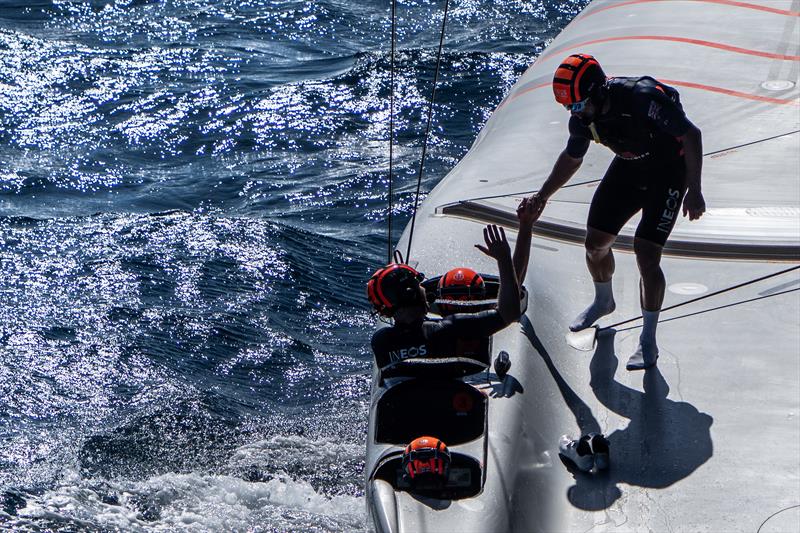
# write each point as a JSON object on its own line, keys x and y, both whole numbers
{"x": 238, "y": 499}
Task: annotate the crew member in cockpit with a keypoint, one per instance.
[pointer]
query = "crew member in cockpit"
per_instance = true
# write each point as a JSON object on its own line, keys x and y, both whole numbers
{"x": 395, "y": 292}
{"x": 658, "y": 160}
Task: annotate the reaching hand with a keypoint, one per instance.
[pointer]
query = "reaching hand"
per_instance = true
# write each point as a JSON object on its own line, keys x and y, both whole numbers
{"x": 526, "y": 213}
{"x": 694, "y": 204}
{"x": 538, "y": 202}
{"x": 496, "y": 243}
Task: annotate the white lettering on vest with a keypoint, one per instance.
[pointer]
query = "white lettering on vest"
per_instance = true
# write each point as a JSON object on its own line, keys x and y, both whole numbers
{"x": 407, "y": 353}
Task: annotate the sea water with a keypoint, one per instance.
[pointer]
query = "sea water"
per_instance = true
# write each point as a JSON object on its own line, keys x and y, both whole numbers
{"x": 193, "y": 194}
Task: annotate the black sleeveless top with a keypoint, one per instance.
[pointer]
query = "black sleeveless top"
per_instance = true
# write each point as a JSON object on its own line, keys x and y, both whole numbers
{"x": 644, "y": 118}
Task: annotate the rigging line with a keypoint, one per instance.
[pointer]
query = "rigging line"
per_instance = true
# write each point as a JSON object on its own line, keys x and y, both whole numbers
{"x": 750, "y": 282}
{"x": 427, "y": 129}
{"x": 751, "y": 142}
{"x": 529, "y": 191}
{"x": 715, "y": 152}
{"x": 773, "y": 514}
{"x": 391, "y": 130}
{"x": 716, "y": 308}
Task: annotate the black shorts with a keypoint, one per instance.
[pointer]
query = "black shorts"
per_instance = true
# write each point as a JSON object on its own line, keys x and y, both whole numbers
{"x": 656, "y": 185}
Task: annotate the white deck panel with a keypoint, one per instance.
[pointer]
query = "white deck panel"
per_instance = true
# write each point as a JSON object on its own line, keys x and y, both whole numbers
{"x": 517, "y": 148}
{"x": 710, "y": 440}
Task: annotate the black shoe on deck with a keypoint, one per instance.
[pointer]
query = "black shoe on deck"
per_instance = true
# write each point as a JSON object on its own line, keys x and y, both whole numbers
{"x": 502, "y": 364}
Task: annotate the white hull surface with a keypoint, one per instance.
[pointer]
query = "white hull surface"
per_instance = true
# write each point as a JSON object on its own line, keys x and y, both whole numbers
{"x": 710, "y": 440}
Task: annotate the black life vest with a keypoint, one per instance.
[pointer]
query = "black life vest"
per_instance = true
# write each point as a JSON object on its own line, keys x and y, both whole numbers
{"x": 397, "y": 343}
{"x": 628, "y": 133}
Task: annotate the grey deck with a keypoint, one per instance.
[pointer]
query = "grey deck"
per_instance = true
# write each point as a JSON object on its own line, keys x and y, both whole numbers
{"x": 710, "y": 440}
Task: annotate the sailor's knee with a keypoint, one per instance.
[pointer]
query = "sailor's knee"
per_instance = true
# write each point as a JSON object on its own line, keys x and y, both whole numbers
{"x": 648, "y": 256}
{"x": 596, "y": 251}
{"x": 649, "y": 268}
{"x": 598, "y": 243}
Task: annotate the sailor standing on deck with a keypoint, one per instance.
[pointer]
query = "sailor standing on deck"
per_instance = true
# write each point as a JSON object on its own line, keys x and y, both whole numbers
{"x": 658, "y": 161}
{"x": 395, "y": 292}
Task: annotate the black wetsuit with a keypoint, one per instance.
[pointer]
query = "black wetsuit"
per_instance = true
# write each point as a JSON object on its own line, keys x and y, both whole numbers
{"x": 642, "y": 126}
{"x": 454, "y": 335}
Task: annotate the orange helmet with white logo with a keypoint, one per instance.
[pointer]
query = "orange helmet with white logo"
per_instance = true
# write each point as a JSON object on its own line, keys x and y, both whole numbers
{"x": 577, "y": 78}
{"x": 460, "y": 284}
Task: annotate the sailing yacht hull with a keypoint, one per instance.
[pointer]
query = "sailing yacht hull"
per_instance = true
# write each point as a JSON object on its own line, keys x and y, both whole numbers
{"x": 709, "y": 439}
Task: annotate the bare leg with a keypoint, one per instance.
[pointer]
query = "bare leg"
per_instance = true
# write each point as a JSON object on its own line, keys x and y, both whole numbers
{"x": 651, "y": 285}
{"x": 599, "y": 257}
{"x": 600, "y": 261}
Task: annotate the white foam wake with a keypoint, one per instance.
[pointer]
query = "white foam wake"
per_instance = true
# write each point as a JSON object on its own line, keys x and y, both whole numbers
{"x": 202, "y": 502}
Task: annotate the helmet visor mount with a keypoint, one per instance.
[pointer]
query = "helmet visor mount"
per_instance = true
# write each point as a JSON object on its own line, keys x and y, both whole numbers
{"x": 577, "y": 107}
{"x": 408, "y": 290}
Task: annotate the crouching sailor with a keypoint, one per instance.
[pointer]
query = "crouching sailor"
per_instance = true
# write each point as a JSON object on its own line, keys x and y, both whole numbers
{"x": 659, "y": 157}
{"x": 395, "y": 292}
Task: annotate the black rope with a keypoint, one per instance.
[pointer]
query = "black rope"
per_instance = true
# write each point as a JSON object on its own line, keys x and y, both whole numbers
{"x": 752, "y": 142}
{"x": 427, "y": 129}
{"x": 520, "y": 193}
{"x": 391, "y": 131}
{"x": 762, "y": 278}
{"x": 716, "y": 308}
{"x": 773, "y": 514}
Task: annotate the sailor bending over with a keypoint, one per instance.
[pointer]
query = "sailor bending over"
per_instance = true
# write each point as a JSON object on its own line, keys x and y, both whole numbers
{"x": 658, "y": 157}
{"x": 395, "y": 292}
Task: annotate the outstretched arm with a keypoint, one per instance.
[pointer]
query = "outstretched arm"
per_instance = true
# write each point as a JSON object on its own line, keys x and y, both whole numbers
{"x": 566, "y": 166}
{"x": 527, "y": 216}
{"x": 497, "y": 247}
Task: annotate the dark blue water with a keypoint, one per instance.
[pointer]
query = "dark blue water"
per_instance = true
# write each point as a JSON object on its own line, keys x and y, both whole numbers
{"x": 192, "y": 196}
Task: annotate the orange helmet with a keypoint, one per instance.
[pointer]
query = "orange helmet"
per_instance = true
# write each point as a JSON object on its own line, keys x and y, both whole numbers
{"x": 460, "y": 284}
{"x": 426, "y": 455}
{"x": 393, "y": 286}
{"x": 577, "y": 78}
